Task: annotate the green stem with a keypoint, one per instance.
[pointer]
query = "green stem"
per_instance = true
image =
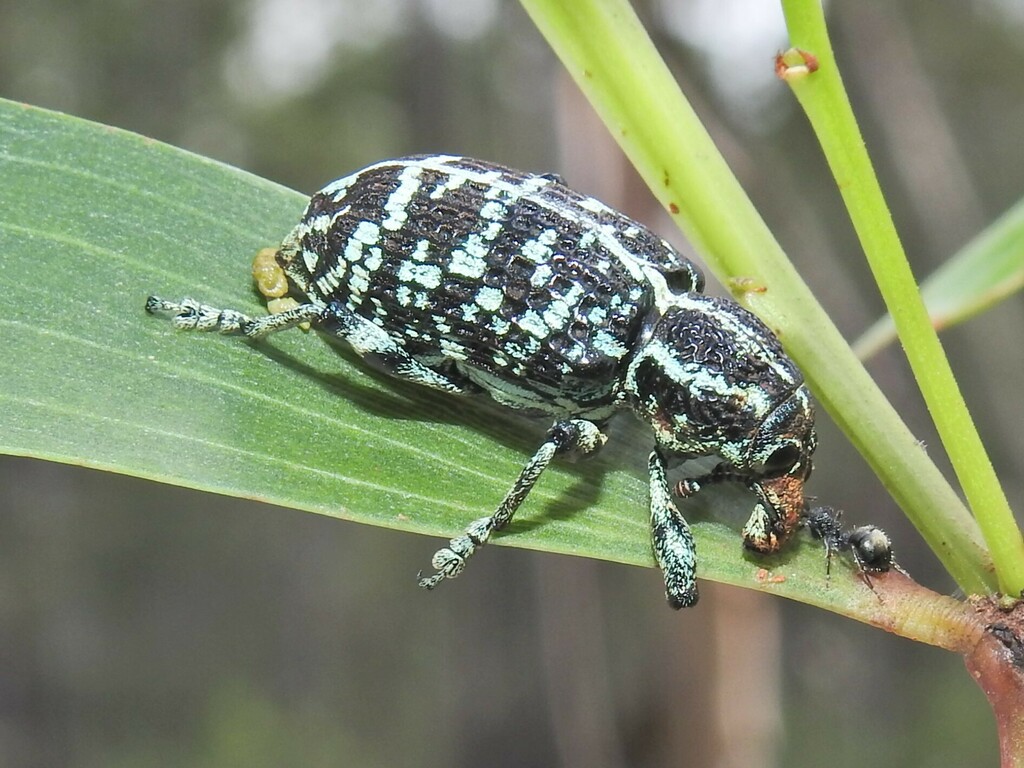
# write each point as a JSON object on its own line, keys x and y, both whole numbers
{"x": 987, "y": 270}
{"x": 824, "y": 99}
{"x": 608, "y": 53}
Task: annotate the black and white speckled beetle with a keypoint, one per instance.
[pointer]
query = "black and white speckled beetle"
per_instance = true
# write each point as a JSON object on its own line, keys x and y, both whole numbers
{"x": 471, "y": 278}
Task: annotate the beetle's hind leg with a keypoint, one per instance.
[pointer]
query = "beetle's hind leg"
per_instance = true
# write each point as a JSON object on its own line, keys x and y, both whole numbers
{"x": 367, "y": 340}
{"x": 191, "y": 315}
{"x": 575, "y": 436}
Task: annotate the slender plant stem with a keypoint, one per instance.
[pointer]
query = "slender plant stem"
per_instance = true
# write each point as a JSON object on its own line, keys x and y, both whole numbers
{"x": 823, "y": 98}
{"x": 986, "y": 271}
{"x": 606, "y": 50}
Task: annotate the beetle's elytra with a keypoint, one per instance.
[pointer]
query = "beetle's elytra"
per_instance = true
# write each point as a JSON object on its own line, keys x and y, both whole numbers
{"x": 473, "y": 278}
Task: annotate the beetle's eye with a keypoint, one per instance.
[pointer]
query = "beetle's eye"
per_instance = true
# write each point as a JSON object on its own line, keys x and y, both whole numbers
{"x": 684, "y": 280}
{"x": 782, "y": 460}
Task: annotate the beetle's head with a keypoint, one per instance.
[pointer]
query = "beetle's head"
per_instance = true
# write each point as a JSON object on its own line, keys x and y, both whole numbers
{"x": 712, "y": 379}
{"x": 778, "y": 463}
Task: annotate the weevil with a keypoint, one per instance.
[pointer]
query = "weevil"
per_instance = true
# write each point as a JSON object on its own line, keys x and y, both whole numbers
{"x": 476, "y": 279}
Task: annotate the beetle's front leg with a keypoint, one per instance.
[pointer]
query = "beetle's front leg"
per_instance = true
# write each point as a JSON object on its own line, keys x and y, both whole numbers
{"x": 674, "y": 548}
{"x": 574, "y": 436}
{"x": 780, "y": 502}
{"x": 776, "y": 514}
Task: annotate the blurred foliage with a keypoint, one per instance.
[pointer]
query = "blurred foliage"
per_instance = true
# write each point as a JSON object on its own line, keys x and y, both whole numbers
{"x": 146, "y": 625}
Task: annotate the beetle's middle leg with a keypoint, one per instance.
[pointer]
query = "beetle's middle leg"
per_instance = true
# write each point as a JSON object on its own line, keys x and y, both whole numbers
{"x": 674, "y": 548}
{"x": 575, "y": 436}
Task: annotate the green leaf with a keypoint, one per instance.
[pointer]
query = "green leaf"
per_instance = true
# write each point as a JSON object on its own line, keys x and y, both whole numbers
{"x": 93, "y": 219}
{"x": 987, "y": 270}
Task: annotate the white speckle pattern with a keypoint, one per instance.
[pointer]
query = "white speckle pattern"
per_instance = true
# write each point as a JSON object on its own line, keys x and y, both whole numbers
{"x": 558, "y": 314}
{"x": 493, "y": 210}
{"x": 489, "y": 299}
{"x": 426, "y": 275}
{"x": 499, "y": 325}
{"x": 374, "y": 259}
{"x": 533, "y": 324}
{"x": 397, "y": 205}
{"x": 358, "y": 279}
{"x": 539, "y": 251}
{"x": 451, "y": 183}
{"x": 597, "y": 315}
{"x": 608, "y": 345}
{"x": 469, "y": 262}
{"x": 367, "y": 233}
{"x": 422, "y": 251}
{"x": 541, "y": 275}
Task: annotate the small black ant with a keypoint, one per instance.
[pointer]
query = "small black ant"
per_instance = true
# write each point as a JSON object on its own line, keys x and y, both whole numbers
{"x": 870, "y": 545}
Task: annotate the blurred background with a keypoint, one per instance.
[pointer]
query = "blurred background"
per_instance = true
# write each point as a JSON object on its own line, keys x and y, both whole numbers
{"x": 151, "y": 625}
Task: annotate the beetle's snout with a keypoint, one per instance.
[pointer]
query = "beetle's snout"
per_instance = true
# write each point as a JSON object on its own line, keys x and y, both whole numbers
{"x": 780, "y": 460}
